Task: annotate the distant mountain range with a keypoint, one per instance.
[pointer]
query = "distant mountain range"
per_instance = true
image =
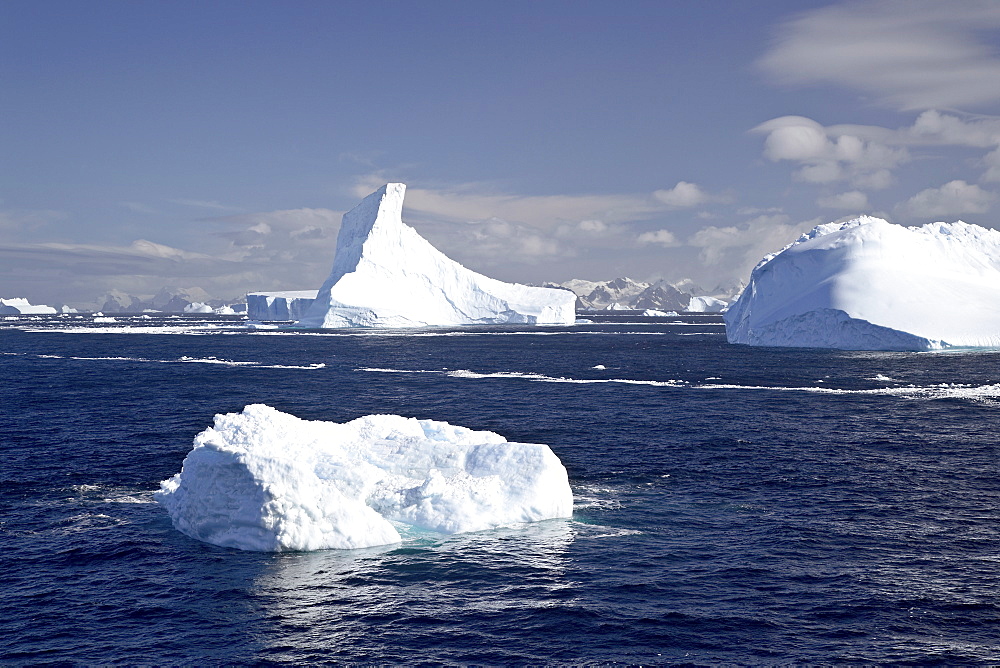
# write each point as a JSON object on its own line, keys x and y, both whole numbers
{"x": 625, "y": 293}
{"x": 615, "y": 294}
{"x": 167, "y": 300}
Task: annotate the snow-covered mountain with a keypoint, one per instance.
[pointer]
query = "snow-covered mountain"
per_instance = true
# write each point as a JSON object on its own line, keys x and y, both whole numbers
{"x": 167, "y": 300}
{"x": 870, "y": 285}
{"x": 386, "y": 275}
{"x": 625, "y": 293}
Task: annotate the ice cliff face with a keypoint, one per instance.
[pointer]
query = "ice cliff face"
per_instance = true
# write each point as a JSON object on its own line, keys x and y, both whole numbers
{"x": 386, "y": 275}
{"x": 870, "y": 285}
{"x": 288, "y": 305}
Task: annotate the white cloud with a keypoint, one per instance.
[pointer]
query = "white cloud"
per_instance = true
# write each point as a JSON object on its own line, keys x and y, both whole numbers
{"x": 952, "y": 199}
{"x": 853, "y": 199}
{"x": 495, "y": 241}
{"x": 476, "y": 202}
{"x": 829, "y": 155}
{"x": 17, "y": 224}
{"x": 867, "y": 154}
{"x": 139, "y": 207}
{"x": 735, "y": 250}
{"x": 908, "y": 54}
{"x": 661, "y": 237}
{"x": 482, "y": 229}
{"x": 992, "y": 162}
{"x": 587, "y": 228}
{"x": 202, "y": 204}
{"x": 682, "y": 195}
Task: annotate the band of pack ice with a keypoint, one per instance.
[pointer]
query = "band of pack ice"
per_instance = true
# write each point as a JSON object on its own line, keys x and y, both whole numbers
{"x": 871, "y": 285}
{"x": 386, "y": 275}
{"x": 268, "y": 481}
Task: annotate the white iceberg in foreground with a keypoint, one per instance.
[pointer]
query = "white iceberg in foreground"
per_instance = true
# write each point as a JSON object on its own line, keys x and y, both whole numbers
{"x": 870, "y": 285}
{"x": 268, "y": 481}
{"x": 21, "y": 306}
{"x": 386, "y": 275}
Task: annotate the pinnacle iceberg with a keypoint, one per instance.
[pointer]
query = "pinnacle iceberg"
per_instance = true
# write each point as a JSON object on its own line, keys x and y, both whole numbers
{"x": 386, "y": 275}
{"x": 871, "y": 285}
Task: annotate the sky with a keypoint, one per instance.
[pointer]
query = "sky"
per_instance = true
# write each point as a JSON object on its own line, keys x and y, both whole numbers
{"x": 217, "y": 144}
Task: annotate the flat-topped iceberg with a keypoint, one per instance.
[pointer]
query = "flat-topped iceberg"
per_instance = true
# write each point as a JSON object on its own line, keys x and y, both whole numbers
{"x": 284, "y": 305}
{"x": 268, "y": 481}
{"x": 21, "y": 306}
{"x": 870, "y": 285}
{"x": 386, "y": 275}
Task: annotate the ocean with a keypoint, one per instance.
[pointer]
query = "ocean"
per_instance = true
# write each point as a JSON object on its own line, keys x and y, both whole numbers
{"x": 733, "y": 505}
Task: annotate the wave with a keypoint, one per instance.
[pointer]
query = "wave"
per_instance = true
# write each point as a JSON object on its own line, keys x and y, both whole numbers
{"x": 275, "y": 330}
{"x": 184, "y": 359}
{"x": 984, "y": 393}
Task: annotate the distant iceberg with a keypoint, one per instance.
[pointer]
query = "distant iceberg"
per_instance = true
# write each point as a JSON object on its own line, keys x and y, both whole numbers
{"x": 283, "y": 305}
{"x": 706, "y": 305}
{"x": 870, "y": 285}
{"x": 21, "y": 306}
{"x": 386, "y": 275}
{"x": 267, "y": 481}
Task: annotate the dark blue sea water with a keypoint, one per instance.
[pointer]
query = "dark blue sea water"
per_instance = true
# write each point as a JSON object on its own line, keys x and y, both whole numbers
{"x": 733, "y": 505}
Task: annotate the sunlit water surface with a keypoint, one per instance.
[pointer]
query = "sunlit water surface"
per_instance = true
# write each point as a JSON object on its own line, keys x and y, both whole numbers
{"x": 733, "y": 505}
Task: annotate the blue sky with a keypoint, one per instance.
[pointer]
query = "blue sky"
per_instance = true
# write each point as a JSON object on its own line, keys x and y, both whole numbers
{"x": 216, "y": 144}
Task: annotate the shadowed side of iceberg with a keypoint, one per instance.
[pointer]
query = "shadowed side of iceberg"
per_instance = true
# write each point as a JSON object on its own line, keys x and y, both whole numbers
{"x": 829, "y": 328}
{"x": 386, "y": 275}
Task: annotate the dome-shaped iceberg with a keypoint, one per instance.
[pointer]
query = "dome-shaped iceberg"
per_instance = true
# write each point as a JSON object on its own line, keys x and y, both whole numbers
{"x": 871, "y": 285}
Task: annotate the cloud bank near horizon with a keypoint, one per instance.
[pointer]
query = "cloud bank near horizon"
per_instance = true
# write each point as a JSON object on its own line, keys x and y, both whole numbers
{"x": 890, "y": 109}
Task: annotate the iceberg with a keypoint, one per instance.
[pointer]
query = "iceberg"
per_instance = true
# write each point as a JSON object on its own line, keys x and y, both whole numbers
{"x": 265, "y": 480}
{"x": 871, "y": 285}
{"x": 198, "y": 307}
{"x": 21, "y": 306}
{"x": 706, "y": 305}
{"x": 386, "y": 275}
{"x": 286, "y": 305}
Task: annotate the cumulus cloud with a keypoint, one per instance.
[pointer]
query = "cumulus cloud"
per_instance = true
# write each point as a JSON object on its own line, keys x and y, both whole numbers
{"x": 661, "y": 237}
{"x": 854, "y": 200}
{"x": 484, "y": 229}
{"x": 64, "y": 272}
{"x": 907, "y": 54}
{"x": 477, "y": 202}
{"x": 736, "y": 249}
{"x": 587, "y": 228}
{"x": 952, "y": 199}
{"x": 829, "y": 155}
{"x": 866, "y": 155}
{"x": 683, "y": 195}
{"x": 493, "y": 242}
{"x": 287, "y": 230}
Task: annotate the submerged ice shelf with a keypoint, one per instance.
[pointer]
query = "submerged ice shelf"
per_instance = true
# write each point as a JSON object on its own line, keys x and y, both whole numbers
{"x": 870, "y": 285}
{"x": 268, "y": 481}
